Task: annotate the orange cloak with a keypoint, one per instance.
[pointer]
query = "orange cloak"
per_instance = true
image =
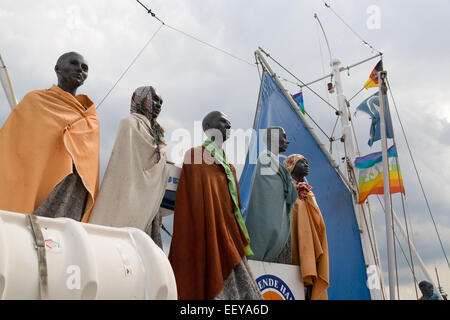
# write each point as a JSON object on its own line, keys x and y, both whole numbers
{"x": 47, "y": 132}
{"x": 309, "y": 245}
{"x": 207, "y": 240}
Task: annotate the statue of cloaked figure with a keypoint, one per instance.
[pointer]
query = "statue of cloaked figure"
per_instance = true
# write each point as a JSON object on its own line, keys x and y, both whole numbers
{"x": 135, "y": 180}
{"x": 272, "y": 196}
{"x": 309, "y": 238}
{"x": 427, "y": 290}
{"x": 49, "y": 147}
{"x": 210, "y": 241}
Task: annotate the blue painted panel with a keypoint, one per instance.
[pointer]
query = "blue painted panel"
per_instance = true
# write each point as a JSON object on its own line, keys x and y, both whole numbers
{"x": 347, "y": 267}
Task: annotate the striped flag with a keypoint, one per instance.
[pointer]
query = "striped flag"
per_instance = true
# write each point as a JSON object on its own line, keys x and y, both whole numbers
{"x": 373, "y": 78}
{"x": 371, "y": 174}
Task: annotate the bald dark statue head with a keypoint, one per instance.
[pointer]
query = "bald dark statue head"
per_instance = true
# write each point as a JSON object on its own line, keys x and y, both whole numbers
{"x": 275, "y": 139}
{"x": 216, "y": 126}
{"x": 427, "y": 289}
{"x": 71, "y": 70}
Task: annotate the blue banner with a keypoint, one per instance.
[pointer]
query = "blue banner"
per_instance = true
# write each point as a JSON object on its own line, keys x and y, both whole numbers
{"x": 371, "y": 106}
{"x": 347, "y": 267}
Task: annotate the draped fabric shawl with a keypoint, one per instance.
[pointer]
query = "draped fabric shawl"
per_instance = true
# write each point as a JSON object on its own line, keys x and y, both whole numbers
{"x": 207, "y": 240}
{"x": 142, "y": 103}
{"x": 271, "y": 199}
{"x": 45, "y": 134}
{"x": 133, "y": 185}
{"x": 309, "y": 245}
{"x": 220, "y": 156}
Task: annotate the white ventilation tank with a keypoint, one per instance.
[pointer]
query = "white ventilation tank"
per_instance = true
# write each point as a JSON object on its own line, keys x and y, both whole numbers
{"x": 83, "y": 261}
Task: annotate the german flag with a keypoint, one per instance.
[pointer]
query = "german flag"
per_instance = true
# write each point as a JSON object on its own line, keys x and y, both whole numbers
{"x": 373, "y": 78}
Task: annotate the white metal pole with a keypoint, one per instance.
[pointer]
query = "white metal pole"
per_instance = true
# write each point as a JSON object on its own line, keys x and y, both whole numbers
{"x": 7, "y": 84}
{"x": 386, "y": 183}
{"x": 350, "y": 147}
{"x": 345, "y": 123}
{"x": 416, "y": 254}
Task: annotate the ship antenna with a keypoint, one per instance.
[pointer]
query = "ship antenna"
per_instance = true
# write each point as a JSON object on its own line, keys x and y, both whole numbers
{"x": 324, "y": 35}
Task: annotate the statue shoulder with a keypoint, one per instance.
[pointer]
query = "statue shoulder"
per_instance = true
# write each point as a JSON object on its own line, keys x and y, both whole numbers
{"x": 34, "y": 94}
{"x": 128, "y": 121}
{"x": 193, "y": 155}
{"x": 29, "y": 100}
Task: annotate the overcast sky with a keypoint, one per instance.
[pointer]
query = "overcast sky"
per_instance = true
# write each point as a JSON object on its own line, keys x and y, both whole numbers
{"x": 195, "y": 79}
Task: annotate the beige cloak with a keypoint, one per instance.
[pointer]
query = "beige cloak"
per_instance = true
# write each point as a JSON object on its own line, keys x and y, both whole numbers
{"x": 133, "y": 185}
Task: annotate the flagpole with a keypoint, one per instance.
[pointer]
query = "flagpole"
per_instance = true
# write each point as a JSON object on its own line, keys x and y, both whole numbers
{"x": 7, "y": 84}
{"x": 386, "y": 182}
{"x": 414, "y": 251}
{"x": 350, "y": 147}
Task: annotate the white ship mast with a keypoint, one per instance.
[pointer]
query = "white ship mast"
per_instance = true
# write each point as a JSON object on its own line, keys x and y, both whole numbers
{"x": 371, "y": 254}
{"x": 387, "y": 185}
{"x": 7, "y": 84}
{"x": 390, "y": 215}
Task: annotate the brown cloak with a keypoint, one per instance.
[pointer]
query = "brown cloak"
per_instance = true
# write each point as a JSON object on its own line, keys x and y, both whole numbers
{"x": 207, "y": 240}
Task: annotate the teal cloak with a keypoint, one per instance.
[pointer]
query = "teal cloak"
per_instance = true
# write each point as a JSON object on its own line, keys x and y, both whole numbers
{"x": 272, "y": 196}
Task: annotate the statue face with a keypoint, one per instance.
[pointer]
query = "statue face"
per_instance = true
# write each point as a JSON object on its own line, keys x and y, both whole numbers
{"x": 277, "y": 138}
{"x": 426, "y": 288}
{"x": 224, "y": 126}
{"x": 72, "y": 70}
{"x": 302, "y": 166}
{"x": 157, "y": 103}
{"x": 301, "y": 169}
{"x": 283, "y": 141}
{"x": 218, "y": 123}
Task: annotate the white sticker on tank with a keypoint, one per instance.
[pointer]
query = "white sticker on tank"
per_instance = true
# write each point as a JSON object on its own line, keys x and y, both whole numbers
{"x": 52, "y": 243}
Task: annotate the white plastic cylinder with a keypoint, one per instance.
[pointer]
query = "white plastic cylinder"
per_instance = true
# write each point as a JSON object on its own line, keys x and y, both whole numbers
{"x": 84, "y": 261}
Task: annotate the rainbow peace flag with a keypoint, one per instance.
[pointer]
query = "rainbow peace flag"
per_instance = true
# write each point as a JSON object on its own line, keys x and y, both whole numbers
{"x": 371, "y": 174}
{"x": 298, "y": 98}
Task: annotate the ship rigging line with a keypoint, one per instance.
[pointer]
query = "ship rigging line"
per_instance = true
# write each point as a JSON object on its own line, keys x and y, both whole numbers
{"x": 343, "y": 68}
{"x": 360, "y": 90}
{"x": 130, "y": 65}
{"x": 372, "y": 229}
{"x": 352, "y": 177}
{"x": 406, "y": 260}
{"x": 304, "y": 84}
{"x": 402, "y": 196}
{"x": 149, "y": 11}
{"x": 210, "y": 45}
{"x": 373, "y": 245}
{"x": 377, "y": 260}
{"x": 349, "y": 27}
{"x": 195, "y": 38}
{"x": 324, "y": 35}
{"x": 331, "y": 139}
{"x": 411, "y": 266}
{"x": 417, "y": 173}
{"x": 321, "y": 55}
